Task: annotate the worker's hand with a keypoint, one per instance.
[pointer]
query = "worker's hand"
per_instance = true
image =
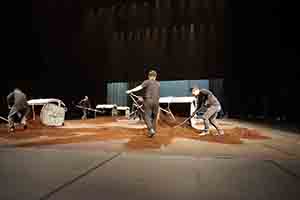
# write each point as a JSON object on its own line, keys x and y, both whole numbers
{"x": 128, "y": 92}
{"x": 194, "y": 113}
{"x": 140, "y": 100}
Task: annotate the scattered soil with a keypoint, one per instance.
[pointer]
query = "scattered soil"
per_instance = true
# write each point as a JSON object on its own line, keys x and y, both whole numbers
{"x": 137, "y": 138}
{"x": 246, "y": 133}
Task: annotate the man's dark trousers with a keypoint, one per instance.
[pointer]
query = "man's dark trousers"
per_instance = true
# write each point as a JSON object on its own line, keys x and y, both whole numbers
{"x": 151, "y": 108}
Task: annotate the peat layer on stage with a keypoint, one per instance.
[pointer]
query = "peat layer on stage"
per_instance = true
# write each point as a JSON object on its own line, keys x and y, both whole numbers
{"x": 118, "y": 128}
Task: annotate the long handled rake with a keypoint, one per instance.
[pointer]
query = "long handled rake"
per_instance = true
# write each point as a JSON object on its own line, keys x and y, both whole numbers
{"x": 136, "y": 105}
{"x": 187, "y": 119}
{"x": 90, "y": 109}
{"x": 139, "y": 107}
{"x": 4, "y": 119}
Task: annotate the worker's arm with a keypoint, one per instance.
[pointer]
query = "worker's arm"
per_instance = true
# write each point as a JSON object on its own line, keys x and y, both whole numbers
{"x": 204, "y": 103}
{"x": 195, "y": 112}
{"x": 138, "y": 88}
{"x": 9, "y": 99}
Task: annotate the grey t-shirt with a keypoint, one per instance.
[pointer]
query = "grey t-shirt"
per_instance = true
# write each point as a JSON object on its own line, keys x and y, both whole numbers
{"x": 85, "y": 103}
{"x": 210, "y": 99}
{"x": 152, "y": 89}
{"x": 18, "y": 99}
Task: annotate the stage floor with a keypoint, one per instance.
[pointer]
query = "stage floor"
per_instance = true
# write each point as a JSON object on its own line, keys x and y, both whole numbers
{"x": 111, "y": 158}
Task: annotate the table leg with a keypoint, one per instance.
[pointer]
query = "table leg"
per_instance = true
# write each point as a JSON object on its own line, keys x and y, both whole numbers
{"x": 171, "y": 112}
{"x": 193, "y": 121}
{"x": 33, "y": 112}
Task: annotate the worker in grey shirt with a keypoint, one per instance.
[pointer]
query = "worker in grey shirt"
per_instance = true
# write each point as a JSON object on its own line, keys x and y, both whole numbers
{"x": 19, "y": 109}
{"x": 151, "y": 101}
{"x": 213, "y": 108}
{"x": 85, "y": 103}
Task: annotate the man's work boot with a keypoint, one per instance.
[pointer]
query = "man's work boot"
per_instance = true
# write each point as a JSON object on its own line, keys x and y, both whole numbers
{"x": 23, "y": 122}
{"x": 11, "y": 130}
{"x": 203, "y": 132}
{"x": 221, "y": 132}
{"x": 151, "y": 132}
{"x": 11, "y": 127}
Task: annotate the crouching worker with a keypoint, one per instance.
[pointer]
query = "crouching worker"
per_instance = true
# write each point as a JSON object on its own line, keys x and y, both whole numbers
{"x": 85, "y": 103}
{"x": 19, "y": 109}
{"x": 151, "y": 101}
{"x": 213, "y": 108}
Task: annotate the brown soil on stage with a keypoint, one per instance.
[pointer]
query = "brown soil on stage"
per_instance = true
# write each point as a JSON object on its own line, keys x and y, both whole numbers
{"x": 137, "y": 138}
{"x": 252, "y": 134}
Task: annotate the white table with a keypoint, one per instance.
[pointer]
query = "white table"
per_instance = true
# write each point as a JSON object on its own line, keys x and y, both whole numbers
{"x": 177, "y": 99}
{"x": 124, "y": 108}
{"x": 45, "y": 101}
{"x": 191, "y": 100}
{"x": 113, "y": 106}
{"x": 106, "y": 106}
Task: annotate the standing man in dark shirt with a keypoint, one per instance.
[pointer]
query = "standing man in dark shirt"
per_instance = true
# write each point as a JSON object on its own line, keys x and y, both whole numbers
{"x": 19, "y": 109}
{"x": 213, "y": 108}
{"x": 86, "y": 104}
{"x": 151, "y": 100}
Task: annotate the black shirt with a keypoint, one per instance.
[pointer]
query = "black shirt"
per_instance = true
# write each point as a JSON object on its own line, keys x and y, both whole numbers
{"x": 209, "y": 98}
{"x": 152, "y": 89}
{"x": 85, "y": 103}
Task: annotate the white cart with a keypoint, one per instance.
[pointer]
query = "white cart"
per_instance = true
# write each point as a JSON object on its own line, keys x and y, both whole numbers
{"x": 52, "y": 112}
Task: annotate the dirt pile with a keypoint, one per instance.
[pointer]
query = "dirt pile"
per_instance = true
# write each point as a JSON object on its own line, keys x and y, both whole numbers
{"x": 166, "y": 120}
{"x": 137, "y": 138}
{"x": 35, "y": 124}
{"x": 246, "y": 133}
